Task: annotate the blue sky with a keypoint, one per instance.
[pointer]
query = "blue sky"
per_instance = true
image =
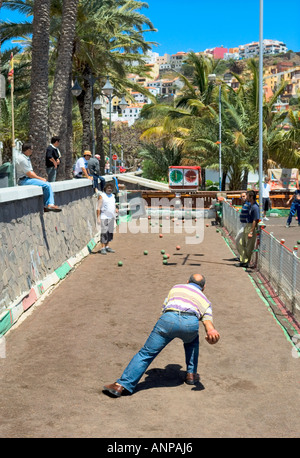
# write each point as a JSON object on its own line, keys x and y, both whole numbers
{"x": 200, "y": 24}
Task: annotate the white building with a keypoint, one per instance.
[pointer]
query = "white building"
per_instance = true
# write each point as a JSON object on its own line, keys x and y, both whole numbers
{"x": 269, "y": 47}
{"x": 131, "y": 113}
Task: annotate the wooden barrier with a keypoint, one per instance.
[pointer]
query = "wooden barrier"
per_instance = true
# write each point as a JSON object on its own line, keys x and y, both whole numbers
{"x": 278, "y": 198}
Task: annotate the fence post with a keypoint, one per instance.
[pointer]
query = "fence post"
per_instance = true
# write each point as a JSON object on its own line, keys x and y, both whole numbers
{"x": 280, "y": 268}
{"x": 294, "y": 282}
{"x": 270, "y": 255}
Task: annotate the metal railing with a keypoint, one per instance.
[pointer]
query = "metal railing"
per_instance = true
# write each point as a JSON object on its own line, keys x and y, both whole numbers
{"x": 277, "y": 263}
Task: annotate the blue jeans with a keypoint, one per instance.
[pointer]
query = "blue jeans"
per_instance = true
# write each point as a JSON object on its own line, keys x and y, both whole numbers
{"x": 295, "y": 207}
{"x": 169, "y": 326}
{"x": 51, "y": 172}
{"x": 96, "y": 183}
{"x": 47, "y": 190}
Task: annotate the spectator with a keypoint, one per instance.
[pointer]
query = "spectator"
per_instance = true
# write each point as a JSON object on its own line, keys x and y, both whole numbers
{"x": 182, "y": 310}
{"x": 249, "y": 216}
{"x": 26, "y": 176}
{"x": 106, "y": 215}
{"x": 243, "y": 217}
{"x": 53, "y": 159}
{"x": 295, "y": 207}
{"x": 266, "y": 203}
{"x": 107, "y": 167}
{"x": 218, "y": 206}
{"x": 94, "y": 169}
{"x": 81, "y": 166}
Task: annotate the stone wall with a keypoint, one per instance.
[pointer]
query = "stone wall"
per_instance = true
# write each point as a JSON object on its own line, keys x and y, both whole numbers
{"x": 38, "y": 249}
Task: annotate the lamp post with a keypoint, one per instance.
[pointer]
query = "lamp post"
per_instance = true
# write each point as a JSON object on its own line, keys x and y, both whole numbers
{"x": 212, "y": 78}
{"x": 108, "y": 90}
{"x": 260, "y": 167}
{"x": 76, "y": 91}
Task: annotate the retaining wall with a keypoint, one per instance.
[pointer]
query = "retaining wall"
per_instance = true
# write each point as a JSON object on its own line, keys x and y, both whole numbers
{"x": 38, "y": 249}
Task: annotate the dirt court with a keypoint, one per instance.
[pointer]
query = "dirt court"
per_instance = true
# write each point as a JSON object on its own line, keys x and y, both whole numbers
{"x": 83, "y": 335}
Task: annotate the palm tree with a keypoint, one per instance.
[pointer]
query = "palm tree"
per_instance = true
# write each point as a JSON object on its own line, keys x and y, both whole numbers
{"x": 60, "y": 110}
{"x": 60, "y": 106}
{"x": 159, "y": 159}
{"x": 195, "y": 104}
{"x": 109, "y": 37}
{"x": 38, "y": 106}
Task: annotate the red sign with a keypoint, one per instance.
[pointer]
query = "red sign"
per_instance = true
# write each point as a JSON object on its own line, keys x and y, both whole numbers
{"x": 115, "y": 157}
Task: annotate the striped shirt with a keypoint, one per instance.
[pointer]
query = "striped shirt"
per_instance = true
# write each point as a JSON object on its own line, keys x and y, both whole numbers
{"x": 188, "y": 298}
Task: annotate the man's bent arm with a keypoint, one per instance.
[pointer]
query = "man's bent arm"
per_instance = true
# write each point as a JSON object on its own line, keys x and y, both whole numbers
{"x": 212, "y": 335}
{"x": 31, "y": 174}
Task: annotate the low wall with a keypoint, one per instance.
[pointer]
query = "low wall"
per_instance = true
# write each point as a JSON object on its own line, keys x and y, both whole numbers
{"x": 38, "y": 249}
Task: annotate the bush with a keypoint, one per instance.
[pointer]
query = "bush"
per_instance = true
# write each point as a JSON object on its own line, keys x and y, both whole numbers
{"x": 152, "y": 171}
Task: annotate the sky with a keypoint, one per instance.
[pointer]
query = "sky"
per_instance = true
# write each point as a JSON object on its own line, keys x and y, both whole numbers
{"x": 195, "y": 25}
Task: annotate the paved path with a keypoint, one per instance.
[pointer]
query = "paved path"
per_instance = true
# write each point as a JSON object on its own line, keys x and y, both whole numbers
{"x": 83, "y": 335}
{"x": 291, "y": 235}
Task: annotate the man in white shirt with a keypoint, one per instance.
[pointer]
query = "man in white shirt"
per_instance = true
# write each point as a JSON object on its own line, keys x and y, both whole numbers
{"x": 266, "y": 198}
{"x": 106, "y": 215}
{"x": 26, "y": 176}
{"x": 81, "y": 167}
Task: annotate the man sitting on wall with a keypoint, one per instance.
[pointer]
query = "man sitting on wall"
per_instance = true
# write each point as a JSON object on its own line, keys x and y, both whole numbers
{"x": 81, "y": 166}
{"x": 26, "y": 176}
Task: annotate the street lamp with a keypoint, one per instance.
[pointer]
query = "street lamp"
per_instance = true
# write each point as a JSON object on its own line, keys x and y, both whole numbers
{"x": 98, "y": 103}
{"x": 212, "y": 79}
{"x": 123, "y": 104}
{"x": 76, "y": 91}
{"x": 260, "y": 109}
{"x": 108, "y": 91}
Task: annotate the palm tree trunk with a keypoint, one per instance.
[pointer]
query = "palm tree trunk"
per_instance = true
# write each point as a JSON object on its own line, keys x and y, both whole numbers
{"x": 84, "y": 102}
{"x": 224, "y": 176}
{"x": 66, "y": 136}
{"x": 245, "y": 179}
{"x": 39, "y": 84}
{"x": 203, "y": 178}
{"x": 61, "y": 86}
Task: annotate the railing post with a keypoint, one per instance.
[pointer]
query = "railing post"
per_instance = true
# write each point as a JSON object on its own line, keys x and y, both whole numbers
{"x": 294, "y": 281}
{"x": 280, "y": 268}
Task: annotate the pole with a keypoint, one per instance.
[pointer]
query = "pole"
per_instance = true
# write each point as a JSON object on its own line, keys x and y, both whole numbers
{"x": 220, "y": 139}
{"x": 93, "y": 120}
{"x": 261, "y": 105}
{"x": 110, "y": 150}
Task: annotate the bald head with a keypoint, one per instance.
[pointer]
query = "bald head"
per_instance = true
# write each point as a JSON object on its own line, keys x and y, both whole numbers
{"x": 198, "y": 279}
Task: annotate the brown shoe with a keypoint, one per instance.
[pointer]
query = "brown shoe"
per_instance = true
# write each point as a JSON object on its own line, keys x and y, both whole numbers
{"x": 191, "y": 379}
{"x": 115, "y": 389}
{"x": 52, "y": 208}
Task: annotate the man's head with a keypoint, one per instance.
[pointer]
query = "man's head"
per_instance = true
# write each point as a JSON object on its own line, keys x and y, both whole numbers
{"x": 108, "y": 188}
{"x": 251, "y": 196}
{"x": 198, "y": 279}
{"x": 97, "y": 156}
{"x": 87, "y": 155}
{"x": 267, "y": 179}
{"x": 27, "y": 148}
{"x": 55, "y": 141}
{"x": 244, "y": 196}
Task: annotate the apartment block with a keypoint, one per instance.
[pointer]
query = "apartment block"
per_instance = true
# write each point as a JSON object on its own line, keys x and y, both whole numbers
{"x": 270, "y": 47}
